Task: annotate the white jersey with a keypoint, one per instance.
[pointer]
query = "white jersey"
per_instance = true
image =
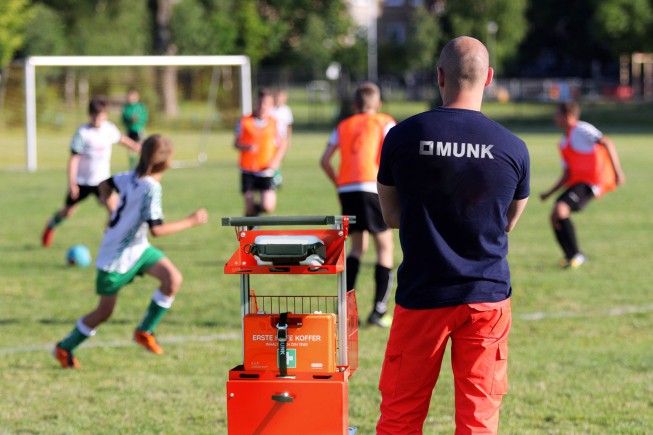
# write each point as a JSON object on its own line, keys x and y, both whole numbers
{"x": 582, "y": 139}
{"x": 125, "y": 239}
{"x": 93, "y": 145}
{"x": 284, "y": 118}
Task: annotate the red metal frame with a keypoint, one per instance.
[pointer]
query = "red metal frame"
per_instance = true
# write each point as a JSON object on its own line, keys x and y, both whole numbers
{"x": 261, "y": 401}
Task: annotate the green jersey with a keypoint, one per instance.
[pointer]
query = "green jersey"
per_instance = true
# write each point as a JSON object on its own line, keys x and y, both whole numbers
{"x": 134, "y": 116}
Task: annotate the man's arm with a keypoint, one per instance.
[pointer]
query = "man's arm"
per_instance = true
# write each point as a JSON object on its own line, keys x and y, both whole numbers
{"x": 390, "y": 205}
{"x": 606, "y": 142}
{"x": 515, "y": 210}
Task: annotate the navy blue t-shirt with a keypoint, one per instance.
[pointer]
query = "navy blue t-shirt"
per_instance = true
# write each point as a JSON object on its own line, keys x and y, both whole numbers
{"x": 456, "y": 172}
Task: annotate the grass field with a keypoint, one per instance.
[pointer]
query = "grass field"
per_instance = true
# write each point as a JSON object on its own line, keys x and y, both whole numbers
{"x": 581, "y": 357}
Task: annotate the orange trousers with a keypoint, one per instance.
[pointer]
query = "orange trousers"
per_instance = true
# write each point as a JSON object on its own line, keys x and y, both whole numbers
{"x": 413, "y": 358}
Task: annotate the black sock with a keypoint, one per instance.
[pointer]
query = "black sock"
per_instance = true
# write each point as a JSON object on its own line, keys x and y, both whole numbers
{"x": 566, "y": 236}
{"x": 352, "y": 266}
{"x": 383, "y": 277}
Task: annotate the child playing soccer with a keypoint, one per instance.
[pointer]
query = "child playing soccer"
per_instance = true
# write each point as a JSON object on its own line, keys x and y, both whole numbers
{"x": 261, "y": 151}
{"x": 125, "y": 251}
{"x": 359, "y": 139}
{"x": 89, "y": 163}
{"x": 590, "y": 169}
{"x": 134, "y": 118}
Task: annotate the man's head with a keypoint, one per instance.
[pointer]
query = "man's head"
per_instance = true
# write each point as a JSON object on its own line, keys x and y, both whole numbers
{"x": 567, "y": 114}
{"x": 367, "y": 97}
{"x": 464, "y": 67}
{"x": 97, "y": 110}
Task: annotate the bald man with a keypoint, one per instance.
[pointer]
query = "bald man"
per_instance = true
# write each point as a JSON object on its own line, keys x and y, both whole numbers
{"x": 455, "y": 183}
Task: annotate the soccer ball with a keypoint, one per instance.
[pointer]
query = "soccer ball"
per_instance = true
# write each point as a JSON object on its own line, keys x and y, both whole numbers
{"x": 78, "y": 255}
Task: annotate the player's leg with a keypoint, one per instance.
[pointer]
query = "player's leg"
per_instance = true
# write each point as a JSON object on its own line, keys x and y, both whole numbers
{"x": 573, "y": 199}
{"x": 383, "y": 277}
{"x": 352, "y": 204}
{"x": 84, "y": 329}
{"x": 247, "y": 189}
{"x": 170, "y": 280}
{"x": 358, "y": 242}
{"x": 411, "y": 366}
{"x": 67, "y": 211}
{"x": 479, "y": 358}
{"x": 268, "y": 196}
{"x": 268, "y": 201}
{"x": 564, "y": 229}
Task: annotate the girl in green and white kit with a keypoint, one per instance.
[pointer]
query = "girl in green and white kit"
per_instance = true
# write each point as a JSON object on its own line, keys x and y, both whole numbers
{"x": 125, "y": 251}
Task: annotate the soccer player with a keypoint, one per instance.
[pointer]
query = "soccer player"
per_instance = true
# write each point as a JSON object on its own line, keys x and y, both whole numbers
{"x": 134, "y": 118}
{"x": 359, "y": 139}
{"x": 283, "y": 116}
{"x": 261, "y": 151}
{"x": 455, "y": 183}
{"x": 89, "y": 163}
{"x": 590, "y": 169}
{"x": 125, "y": 251}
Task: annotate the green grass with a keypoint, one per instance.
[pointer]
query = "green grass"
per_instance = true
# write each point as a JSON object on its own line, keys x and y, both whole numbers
{"x": 581, "y": 358}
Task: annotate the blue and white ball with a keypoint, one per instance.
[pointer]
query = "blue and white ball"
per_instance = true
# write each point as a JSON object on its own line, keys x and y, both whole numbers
{"x": 78, "y": 255}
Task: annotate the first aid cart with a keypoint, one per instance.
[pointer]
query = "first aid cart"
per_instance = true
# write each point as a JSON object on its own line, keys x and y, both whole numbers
{"x": 299, "y": 351}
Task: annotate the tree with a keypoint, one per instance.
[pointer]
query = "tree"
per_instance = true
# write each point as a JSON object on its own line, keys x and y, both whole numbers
{"x": 296, "y": 20}
{"x": 198, "y": 29}
{"x": 424, "y": 40}
{"x": 314, "y": 48}
{"x": 625, "y": 25}
{"x": 475, "y": 18}
{"x": 257, "y": 37}
{"x": 13, "y": 16}
{"x": 45, "y": 33}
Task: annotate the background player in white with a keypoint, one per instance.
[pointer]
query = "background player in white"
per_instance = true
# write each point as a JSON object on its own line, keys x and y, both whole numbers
{"x": 89, "y": 163}
{"x": 125, "y": 251}
{"x": 282, "y": 114}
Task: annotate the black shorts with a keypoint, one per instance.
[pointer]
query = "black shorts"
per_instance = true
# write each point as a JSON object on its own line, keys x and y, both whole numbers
{"x": 250, "y": 182}
{"x": 577, "y": 196}
{"x": 367, "y": 209}
{"x": 84, "y": 191}
{"x": 136, "y": 136}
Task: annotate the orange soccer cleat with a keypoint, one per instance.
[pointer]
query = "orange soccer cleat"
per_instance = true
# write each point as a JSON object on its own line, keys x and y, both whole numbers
{"x": 65, "y": 358}
{"x": 148, "y": 341}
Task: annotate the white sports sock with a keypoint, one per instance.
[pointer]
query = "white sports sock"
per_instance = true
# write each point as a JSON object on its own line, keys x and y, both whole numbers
{"x": 84, "y": 329}
{"x": 161, "y": 299}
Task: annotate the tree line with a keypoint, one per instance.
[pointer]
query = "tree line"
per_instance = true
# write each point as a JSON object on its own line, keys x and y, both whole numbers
{"x": 525, "y": 37}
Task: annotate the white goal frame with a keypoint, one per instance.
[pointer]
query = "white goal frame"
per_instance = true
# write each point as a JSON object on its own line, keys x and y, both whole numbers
{"x": 32, "y": 62}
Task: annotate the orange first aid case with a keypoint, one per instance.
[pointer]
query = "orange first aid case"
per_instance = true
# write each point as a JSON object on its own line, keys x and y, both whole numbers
{"x": 311, "y": 345}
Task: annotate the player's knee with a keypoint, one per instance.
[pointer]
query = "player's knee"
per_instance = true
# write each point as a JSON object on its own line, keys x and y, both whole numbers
{"x": 176, "y": 280}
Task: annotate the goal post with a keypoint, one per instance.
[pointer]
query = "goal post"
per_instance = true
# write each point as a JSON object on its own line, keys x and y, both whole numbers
{"x": 30, "y": 64}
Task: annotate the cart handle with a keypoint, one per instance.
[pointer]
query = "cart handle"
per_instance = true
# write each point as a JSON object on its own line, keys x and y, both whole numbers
{"x": 283, "y": 220}
{"x": 283, "y": 398}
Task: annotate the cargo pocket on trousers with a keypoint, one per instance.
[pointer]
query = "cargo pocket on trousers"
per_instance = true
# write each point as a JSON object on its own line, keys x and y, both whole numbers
{"x": 390, "y": 373}
{"x": 500, "y": 382}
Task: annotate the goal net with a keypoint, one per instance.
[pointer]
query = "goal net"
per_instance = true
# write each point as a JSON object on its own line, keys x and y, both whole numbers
{"x": 193, "y": 100}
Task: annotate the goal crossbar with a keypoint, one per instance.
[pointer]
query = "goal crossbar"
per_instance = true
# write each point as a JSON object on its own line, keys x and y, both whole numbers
{"x": 33, "y": 61}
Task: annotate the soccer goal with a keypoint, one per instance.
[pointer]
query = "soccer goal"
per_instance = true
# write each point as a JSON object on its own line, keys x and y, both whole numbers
{"x": 188, "y": 98}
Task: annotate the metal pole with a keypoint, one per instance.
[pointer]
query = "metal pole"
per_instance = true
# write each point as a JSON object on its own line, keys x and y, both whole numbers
{"x": 372, "y": 43}
{"x": 30, "y": 116}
